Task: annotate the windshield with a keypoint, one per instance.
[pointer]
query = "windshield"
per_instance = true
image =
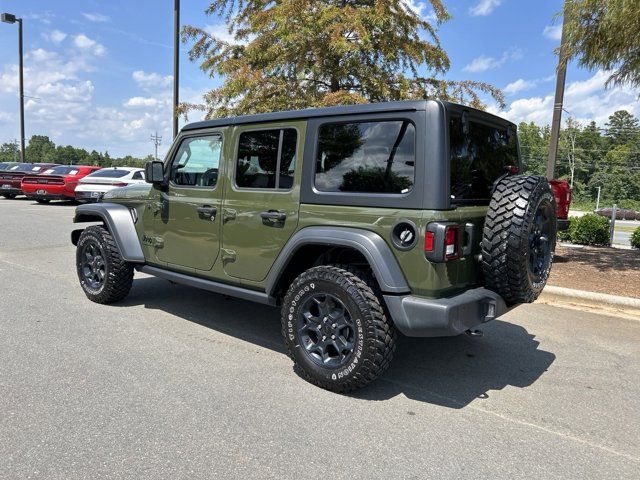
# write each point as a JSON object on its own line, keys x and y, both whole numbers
{"x": 61, "y": 171}
{"x": 480, "y": 153}
{"x": 109, "y": 173}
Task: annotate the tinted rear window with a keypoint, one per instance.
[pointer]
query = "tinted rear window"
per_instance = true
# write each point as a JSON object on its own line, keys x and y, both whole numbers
{"x": 478, "y": 158}
{"x": 110, "y": 173}
{"x": 26, "y": 167}
{"x": 62, "y": 171}
{"x": 366, "y": 157}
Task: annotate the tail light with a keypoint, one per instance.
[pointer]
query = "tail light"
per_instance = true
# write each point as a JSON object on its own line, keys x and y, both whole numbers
{"x": 442, "y": 241}
{"x": 451, "y": 242}
{"x": 120, "y": 184}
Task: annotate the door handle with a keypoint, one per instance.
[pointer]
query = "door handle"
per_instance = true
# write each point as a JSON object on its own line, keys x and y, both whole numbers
{"x": 274, "y": 215}
{"x": 228, "y": 214}
{"x": 207, "y": 211}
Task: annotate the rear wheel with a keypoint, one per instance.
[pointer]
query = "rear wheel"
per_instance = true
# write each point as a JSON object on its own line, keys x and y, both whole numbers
{"x": 335, "y": 329}
{"x": 104, "y": 275}
{"x": 42, "y": 201}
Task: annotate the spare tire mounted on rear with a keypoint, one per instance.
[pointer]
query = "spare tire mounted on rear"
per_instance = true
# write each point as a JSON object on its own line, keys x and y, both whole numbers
{"x": 519, "y": 238}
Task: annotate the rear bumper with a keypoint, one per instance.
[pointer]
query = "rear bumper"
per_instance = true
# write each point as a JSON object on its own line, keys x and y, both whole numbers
{"x": 48, "y": 192}
{"x": 49, "y": 196}
{"x": 563, "y": 224}
{"x": 10, "y": 190}
{"x": 444, "y": 317}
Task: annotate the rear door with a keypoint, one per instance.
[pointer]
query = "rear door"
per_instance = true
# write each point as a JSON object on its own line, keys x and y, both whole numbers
{"x": 187, "y": 226}
{"x": 262, "y": 197}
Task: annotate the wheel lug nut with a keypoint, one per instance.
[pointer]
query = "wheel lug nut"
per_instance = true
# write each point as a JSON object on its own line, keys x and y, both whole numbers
{"x": 324, "y": 337}
{"x": 334, "y": 325}
{"x": 333, "y": 337}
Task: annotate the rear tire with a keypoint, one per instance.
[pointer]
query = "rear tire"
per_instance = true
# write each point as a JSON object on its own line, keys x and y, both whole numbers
{"x": 105, "y": 277}
{"x": 336, "y": 330}
{"x": 42, "y": 201}
{"x": 519, "y": 238}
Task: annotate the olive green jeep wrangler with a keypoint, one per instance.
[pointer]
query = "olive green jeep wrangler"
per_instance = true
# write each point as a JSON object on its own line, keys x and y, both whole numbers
{"x": 358, "y": 221}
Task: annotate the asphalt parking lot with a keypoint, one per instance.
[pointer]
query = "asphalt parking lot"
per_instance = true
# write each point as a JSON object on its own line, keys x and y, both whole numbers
{"x": 180, "y": 383}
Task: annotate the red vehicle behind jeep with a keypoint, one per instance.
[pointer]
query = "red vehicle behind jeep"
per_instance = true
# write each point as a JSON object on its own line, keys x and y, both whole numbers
{"x": 562, "y": 193}
{"x": 57, "y": 183}
{"x": 10, "y": 180}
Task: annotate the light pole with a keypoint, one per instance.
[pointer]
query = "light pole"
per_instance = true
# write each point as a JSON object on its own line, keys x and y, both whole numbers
{"x": 176, "y": 63}
{"x": 10, "y": 18}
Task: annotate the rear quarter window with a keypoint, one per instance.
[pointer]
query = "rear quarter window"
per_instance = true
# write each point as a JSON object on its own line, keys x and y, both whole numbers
{"x": 366, "y": 157}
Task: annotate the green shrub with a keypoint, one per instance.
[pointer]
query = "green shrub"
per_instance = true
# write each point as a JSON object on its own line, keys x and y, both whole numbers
{"x": 635, "y": 238}
{"x": 565, "y": 235}
{"x": 590, "y": 229}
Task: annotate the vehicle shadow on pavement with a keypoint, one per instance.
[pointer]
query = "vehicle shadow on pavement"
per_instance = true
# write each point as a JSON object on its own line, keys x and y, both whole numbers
{"x": 450, "y": 372}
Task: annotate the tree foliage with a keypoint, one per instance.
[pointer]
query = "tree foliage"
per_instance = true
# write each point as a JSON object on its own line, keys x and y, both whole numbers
{"x": 605, "y": 34}
{"x": 608, "y": 158}
{"x": 292, "y": 54}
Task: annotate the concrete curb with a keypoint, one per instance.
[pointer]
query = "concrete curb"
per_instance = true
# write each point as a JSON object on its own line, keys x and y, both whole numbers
{"x": 593, "y": 298}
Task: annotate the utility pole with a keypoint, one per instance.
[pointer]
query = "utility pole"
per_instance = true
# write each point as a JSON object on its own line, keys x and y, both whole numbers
{"x": 156, "y": 142}
{"x": 176, "y": 64}
{"x": 10, "y": 18}
{"x": 557, "y": 106}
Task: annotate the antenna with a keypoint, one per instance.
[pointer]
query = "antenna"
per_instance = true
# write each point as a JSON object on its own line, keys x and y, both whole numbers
{"x": 156, "y": 142}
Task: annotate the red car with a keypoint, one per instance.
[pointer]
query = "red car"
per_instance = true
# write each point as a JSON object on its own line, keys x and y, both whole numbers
{"x": 562, "y": 192}
{"x": 57, "y": 183}
{"x": 10, "y": 180}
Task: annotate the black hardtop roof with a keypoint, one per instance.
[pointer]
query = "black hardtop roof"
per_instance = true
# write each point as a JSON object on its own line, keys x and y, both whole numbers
{"x": 363, "y": 108}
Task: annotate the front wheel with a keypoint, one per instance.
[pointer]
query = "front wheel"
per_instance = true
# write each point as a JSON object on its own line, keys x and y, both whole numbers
{"x": 9, "y": 196}
{"x": 335, "y": 329}
{"x": 104, "y": 275}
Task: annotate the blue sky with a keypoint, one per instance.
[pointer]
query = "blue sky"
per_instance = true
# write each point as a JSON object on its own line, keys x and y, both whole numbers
{"x": 100, "y": 71}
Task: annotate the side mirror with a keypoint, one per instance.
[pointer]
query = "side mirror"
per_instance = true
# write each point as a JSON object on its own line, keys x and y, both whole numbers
{"x": 154, "y": 173}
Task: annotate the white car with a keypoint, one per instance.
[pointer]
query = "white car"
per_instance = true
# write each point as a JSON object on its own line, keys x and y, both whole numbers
{"x": 92, "y": 187}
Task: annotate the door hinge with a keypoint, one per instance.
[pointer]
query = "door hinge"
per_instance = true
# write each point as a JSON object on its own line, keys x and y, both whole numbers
{"x": 228, "y": 256}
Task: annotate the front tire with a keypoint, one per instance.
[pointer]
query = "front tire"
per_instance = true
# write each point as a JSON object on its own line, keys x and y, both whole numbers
{"x": 9, "y": 196}
{"x": 336, "y": 330}
{"x": 105, "y": 277}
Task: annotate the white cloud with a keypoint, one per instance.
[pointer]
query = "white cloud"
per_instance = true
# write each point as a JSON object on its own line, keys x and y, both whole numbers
{"x": 221, "y": 32}
{"x": 585, "y": 100}
{"x": 142, "y": 102}
{"x": 519, "y": 85}
{"x": 484, "y": 7}
{"x": 96, "y": 17}
{"x": 484, "y": 63}
{"x": 87, "y": 44}
{"x": 415, "y": 6}
{"x": 151, "y": 80}
{"x": 553, "y": 32}
{"x": 55, "y": 36}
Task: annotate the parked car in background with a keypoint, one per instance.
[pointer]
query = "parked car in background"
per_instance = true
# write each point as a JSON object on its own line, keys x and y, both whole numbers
{"x": 11, "y": 180}
{"x": 562, "y": 193}
{"x": 621, "y": 213}
{"x": 4, "y": 166}
{"x": 57, "y": 183}
{"x": 92, "y": 187}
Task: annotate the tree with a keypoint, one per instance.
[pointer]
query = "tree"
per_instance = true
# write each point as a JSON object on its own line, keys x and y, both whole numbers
{"x": 291, "y": 54}
{"x": 40, "y": 149}
{"x": 569, "y": 138}
{"x": 534, "y": 147}
{"x": 9, "y": 152}
{"x": 622, "y": 127}
{"x": 605, "y": 34}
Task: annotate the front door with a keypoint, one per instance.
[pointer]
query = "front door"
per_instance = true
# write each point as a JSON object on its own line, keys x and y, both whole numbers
{"x": 188, "y": 224}
{"x": 262, "y": 196}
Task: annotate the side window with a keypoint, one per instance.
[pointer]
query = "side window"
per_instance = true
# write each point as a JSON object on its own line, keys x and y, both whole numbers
{"x": 366, "y": 157}
{"x": 197, "y": 161}
{"x": 137, "y": 176}
{"x": 266, "y": 158}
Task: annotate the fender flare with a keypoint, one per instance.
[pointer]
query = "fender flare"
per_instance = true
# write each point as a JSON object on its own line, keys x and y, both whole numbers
{"x": 118, "y": 221}
{"x": 370, "y": 244}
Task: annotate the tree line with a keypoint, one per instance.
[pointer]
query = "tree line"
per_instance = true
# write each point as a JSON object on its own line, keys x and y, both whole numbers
{"x": 42, "y": 149}
{"x": 590, "y": 157}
